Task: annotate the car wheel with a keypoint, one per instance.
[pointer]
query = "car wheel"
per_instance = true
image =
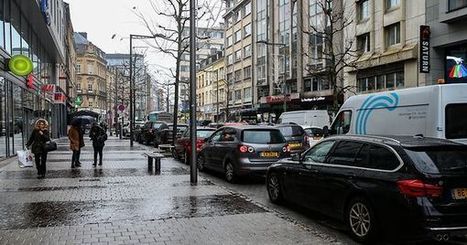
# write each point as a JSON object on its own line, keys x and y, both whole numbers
{"x": 274, "y": 189}
{"x": 186, "y": 158}
{"x": 229, "y": 172}
{"x": 361, "y": 220}
{"x": 201, "y": 162}
{"x": 175, "y": 154}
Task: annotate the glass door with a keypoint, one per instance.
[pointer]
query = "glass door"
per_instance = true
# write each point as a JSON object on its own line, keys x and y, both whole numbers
{"x": 3, "y": 133}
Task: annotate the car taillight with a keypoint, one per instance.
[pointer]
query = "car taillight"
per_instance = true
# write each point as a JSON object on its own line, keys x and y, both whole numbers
{"x": 245, "y": 149}
{"x": 286, "y": 148}
{"x": 305, "y": 138}
{"x": 199, "y": 144}
{"x": 418, "y": 188}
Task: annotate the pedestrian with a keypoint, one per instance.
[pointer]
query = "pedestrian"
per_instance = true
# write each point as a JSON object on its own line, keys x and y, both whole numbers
{"x": 76, "y": 143}
{"x": 36, "y": 142}
{"x": 98, "y": 137}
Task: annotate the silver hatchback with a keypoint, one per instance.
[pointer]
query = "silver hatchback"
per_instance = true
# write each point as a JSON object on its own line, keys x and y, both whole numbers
{"x": 242, "y": 150}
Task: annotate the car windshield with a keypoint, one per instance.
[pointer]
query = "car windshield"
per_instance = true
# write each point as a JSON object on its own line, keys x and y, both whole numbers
{"x": 443, "y": 160}
{"x": 291, "y": 131}
{"x": 456, "y": 126}
{"x": 263, "y": 137}
{"x": 157, "y": 125}
{"x": 204, "y": 133}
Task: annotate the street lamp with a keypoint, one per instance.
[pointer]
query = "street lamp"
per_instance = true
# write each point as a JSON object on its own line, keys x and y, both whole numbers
{"x": 285, "y": 65}
{"x": 132, "y": 84}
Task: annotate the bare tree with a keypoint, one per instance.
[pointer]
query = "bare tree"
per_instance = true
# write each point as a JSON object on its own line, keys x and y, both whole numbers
{"x": 330, "y": 53}
{"x": 170, "y": 31}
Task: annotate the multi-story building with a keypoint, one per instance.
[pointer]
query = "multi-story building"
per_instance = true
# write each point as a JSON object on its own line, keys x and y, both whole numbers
{"x": 91, "y": 69}
{"x": 211, "y": 41}
{"x": 212, "y": 90}
{"x": 38, "y": 32}
{"x": 386, "y": 38}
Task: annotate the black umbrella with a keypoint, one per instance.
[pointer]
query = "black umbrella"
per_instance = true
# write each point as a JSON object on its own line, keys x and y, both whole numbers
{"x": 82, "y": 120}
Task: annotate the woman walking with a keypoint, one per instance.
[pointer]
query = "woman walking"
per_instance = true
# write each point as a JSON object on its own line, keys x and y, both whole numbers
{"x": 76, "y": 142}
{"x": 36, "y": 142}
{"x": 98, "y": 137}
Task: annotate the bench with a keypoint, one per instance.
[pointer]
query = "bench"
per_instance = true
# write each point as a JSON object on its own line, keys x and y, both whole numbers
{"x": 154, "y": 156}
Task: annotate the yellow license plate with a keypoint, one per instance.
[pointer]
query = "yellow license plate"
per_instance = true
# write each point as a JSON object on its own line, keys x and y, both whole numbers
{"x": 459, "y": 193}
{"x": 269, "y": 154}
{"x": 295, "y": 145}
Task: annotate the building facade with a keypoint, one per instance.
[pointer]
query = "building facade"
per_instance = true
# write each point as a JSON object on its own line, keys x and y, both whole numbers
{"x": 91, "y": 69}
{"x": 34, "y": 29}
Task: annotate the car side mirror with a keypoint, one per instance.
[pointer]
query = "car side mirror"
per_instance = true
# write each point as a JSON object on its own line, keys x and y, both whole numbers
{"x": 206, "y": 140}
{"x": 325, "y": 131}
{"x": 296, "y": 157}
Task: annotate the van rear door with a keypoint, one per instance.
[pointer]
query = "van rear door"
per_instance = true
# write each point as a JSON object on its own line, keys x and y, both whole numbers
{"x": 453, "y": 111}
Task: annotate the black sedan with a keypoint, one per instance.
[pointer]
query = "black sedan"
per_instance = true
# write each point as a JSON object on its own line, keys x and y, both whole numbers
{"x": 402, "y": 187}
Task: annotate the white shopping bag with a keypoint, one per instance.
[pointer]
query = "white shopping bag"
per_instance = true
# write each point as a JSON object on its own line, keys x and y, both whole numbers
{"x": 25, "y": 158}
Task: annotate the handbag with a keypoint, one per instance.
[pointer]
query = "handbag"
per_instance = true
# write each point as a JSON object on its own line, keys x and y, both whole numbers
{"x": 50, "y": 146}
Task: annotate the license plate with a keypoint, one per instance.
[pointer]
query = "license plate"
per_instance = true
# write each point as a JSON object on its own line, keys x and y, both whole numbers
{"x": 459, "y": 193}
{"x": 269, "y": 154}
{"x": 295, "y": 145}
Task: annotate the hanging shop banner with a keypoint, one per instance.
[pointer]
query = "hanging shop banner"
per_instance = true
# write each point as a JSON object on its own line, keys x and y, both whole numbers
{"x": 425, "y": 49}
{"x": 48, "y": 90}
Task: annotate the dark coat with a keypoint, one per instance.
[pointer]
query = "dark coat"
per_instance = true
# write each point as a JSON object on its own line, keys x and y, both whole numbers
{"x": 98, "y": 136}
{"x": 37, "y": 141}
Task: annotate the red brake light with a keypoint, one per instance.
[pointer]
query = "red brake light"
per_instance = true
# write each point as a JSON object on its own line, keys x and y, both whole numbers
{"x": 286, "y": 148}
{"x": 417, "y": 188}
{"x": 245, "y": 149}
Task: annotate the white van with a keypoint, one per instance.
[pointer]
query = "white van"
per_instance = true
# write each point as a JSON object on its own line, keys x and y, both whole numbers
{"x": 438, "y": 111}
{"x": 307, "y": 118}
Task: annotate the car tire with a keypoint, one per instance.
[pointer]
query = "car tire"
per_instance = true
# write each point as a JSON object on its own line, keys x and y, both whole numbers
{"x": 229, "y": 172}
{"x": 201, "y": 163}
{"x": 186, "y": 158}
{"x": 274, "y": 188}
{"x": 361, "y": 220}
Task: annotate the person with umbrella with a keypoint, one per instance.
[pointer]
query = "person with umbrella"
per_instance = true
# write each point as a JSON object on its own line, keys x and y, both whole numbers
{"x": 76, "y": 142}
{"x": 98, "y": 137}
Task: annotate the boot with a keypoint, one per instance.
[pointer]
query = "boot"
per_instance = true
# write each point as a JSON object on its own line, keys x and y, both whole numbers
{"x": 72, "y": 165}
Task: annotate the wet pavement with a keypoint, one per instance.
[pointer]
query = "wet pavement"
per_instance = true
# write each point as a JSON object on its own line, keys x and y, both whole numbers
{"x": 122, "y": 203}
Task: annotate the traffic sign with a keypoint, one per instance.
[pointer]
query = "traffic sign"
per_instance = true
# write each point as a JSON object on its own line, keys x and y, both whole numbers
{"x": 121, "y": 107}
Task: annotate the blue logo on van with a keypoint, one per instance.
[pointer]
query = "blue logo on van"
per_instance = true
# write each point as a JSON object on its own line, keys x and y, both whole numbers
{"x": 390, "y": 102}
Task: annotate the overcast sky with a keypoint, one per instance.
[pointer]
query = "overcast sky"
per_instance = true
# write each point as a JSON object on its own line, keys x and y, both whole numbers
{"x": 103, "y": 18}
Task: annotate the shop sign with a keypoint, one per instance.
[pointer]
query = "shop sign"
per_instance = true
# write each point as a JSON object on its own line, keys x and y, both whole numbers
{"x": 78, "y": 101}
{"x": 45, "y": 11}
{"x": 60, "y": 98}
{"x": 313, "y": 99}
{"x": 277, "y": 99}
{"x": 425, "y": 49}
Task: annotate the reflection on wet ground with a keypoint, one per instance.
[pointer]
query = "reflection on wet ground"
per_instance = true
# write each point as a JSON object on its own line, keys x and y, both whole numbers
{"x": 90, "y": 173}
{"x": 106, "y": 158}
{"x": 41, "y": 214}
{"x": 108, "y": 148}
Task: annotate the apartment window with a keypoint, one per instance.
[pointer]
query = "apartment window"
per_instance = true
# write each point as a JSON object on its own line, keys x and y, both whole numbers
{"x": 363, "y": 10}
{"x": 89, "y": 86}
{"x": 90, "y": 103}
{"x": 392, "y": 4}
{"x": 229, "y": 41}
{"x": 237, "y": 16}
{"x": 78, "y": 68}
{"x": 238, "y": 94}
{"x": 363, "y": 43}
{"x": 247, "y": 51}
{"x": 456, "y": 4}
{"x": 90, "y": 69}
{"x": 247, "y": 95}
{"x": 389, "y": 81}
{"x": 229, "y": 77}
{"x": 247, "y": 9}
{"x": 261, "y": 72}
{"x": 238, "y": 36}
{"x": 238, "y": 76}
{"x": 230, "y": 60}
{"x": 78, "y": 86}
{"x": 238, "y": 55}
{"x": 393, "y": 34}
{"x": 247, "y": 72}
{"x": 247, "y": 30}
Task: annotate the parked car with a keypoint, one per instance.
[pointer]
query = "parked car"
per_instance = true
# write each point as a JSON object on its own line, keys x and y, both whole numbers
{"x": 314, "y": 135}
{"x": 216, "y": 125}
{"x": 295, "y": 136}
{"x": 242, "y": 150}
{"x": 166, "y": 134}
{"x": 151, "y": 132}
{"x": 182, "y": 147}
{"x": 137, "y": 131}
{"x": 401, "y": 186}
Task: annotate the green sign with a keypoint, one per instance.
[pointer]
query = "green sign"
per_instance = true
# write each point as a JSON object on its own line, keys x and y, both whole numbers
{"x": 20, "y": 65}
{"x": 78, "y": 101}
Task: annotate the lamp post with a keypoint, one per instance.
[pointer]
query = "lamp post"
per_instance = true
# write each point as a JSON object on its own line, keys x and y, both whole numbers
{"x": 283, "y": 90}
{"x": 193, "y": 166}
{"x": 132, "y": 85}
